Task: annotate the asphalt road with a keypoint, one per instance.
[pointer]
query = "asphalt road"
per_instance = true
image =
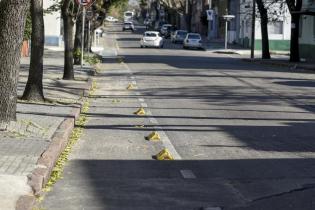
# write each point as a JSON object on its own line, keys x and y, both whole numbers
{"x": 242, "y": 134}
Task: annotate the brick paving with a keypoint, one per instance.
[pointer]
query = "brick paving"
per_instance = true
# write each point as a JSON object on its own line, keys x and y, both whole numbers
{"x": 26, "y": 139}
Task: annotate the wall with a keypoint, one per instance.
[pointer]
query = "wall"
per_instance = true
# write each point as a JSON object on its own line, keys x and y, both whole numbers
{"x": 307, "y": 32}
{"x": 52, "y": 26}
{"x": 276, "y": 41}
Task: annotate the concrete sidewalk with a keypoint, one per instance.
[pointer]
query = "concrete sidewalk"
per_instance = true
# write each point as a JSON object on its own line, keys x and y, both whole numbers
{"x": 40, "y": 128}
{"x": 278, "y": 58}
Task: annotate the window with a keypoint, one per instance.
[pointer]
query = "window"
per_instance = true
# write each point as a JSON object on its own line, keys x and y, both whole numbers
{"x": 275, "y": 27}
{"x": 150, "y": 34}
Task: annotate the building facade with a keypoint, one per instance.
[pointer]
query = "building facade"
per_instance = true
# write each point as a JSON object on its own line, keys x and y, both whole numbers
{"x": 279, "y": 27}
{"x": 53, "y": 26}
{"x": 307, "y": 30}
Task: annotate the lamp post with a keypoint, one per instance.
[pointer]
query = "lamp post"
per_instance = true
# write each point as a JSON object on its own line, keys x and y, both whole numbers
{"x": 209, "y": 20}
{"x": 83, "y": 28}
{"x": 252, "y": 46}
{"x": 84, "y": 4}
{"x": 227, "y": 18}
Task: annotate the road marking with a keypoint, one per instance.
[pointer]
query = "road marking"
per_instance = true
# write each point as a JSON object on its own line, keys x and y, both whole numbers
{"x": 144, "y": 105}
{"x": 153, "y": 120}
{"x": 167, "y": 143}
{"x": 134, "y": 82}
{"x": 141, "y": 99}
{"x": 164, "y": 138}
{"x": 116, "y": 43}
{"x": 188, "y": 174}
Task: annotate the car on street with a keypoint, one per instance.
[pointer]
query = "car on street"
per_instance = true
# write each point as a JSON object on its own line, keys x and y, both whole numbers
{"x": 151, "y": 39}
{"x": 111, "y": 19}
{"x": 178, "y": 36}
{"x": 166, "y": 30}
{"x": 128, "y": 26}
{"x": 147, "y": 21}
{"x": 192, "y": 40}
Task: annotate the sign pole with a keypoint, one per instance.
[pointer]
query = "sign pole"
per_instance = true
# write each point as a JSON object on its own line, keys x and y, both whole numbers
{"x": 82, "y": 42}
{"x": 209, "y": 21}
{"x": 226, "y": 34}
{"x": 252, "y": 46}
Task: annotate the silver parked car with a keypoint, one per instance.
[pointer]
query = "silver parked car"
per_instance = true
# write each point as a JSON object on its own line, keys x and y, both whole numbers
{"x": 128, "y": 26}
{"x": 179, "y": 36}
{"x": 151, "y": 39}
{"x": 192, "y": 40}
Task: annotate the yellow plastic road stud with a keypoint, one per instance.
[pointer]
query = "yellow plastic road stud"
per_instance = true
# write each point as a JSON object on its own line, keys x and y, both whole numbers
{"x": 154, "y": 136}
{"x": 140, "y": 111}
{"x": 164, "y": 155}
{"x": 130, "y": 87}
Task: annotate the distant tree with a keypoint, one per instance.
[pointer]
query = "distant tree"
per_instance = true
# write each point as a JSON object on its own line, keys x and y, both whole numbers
{"x": 12, "y": 22}
{"x": 69, "y": 11}
{"x": 34, "y": 85}
{"x": 183, "y": 7}
{"x": 77, "y": 41}
{"x": 269, "y": 11}
{"x": 98, "y": 10}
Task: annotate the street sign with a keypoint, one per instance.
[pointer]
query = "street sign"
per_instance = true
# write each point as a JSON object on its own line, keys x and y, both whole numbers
{"x": 228, "y": 17}
{"x": 84, "y": 2}
{"x": 210, "y": 14}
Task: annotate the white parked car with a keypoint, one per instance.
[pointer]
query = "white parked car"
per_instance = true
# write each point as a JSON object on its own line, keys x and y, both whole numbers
{"x": 111, "y": 19}
{"x": 151, "y": 39}
{"x": 192, "y": 40}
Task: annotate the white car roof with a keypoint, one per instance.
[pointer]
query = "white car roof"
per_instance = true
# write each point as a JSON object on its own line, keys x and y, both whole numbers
{"x": 193, "y": 34}
{"x": 156, "y": 32}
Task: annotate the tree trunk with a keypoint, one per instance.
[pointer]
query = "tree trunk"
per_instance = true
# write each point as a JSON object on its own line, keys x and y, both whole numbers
{"x": 294, "y": 43}
{"x": 294, "y": 6}
{"x": 68, "y": 40}
{"x": 188, "y": 17}
{"x": 78, "y": 41}
{"x": 12, "y": 23}
{"x": 264, "y": 29}
{"x": 34, "y": 85}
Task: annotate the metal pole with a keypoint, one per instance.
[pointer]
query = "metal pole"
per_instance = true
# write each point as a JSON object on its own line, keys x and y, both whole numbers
{"x": 252, "y": 46}
{"x": 89, "y": 38}
{"x": 187, "y": 7}
{"x": 209, "y": 21}
{"x": 82, "y": 42}
{"x": 94, "y": 38}
{"x": 226, "y": 33}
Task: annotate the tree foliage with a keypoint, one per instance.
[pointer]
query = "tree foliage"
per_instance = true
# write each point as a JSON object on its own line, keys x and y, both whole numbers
{"x": 28, "y": 27}
{"x": 117, "y": 8}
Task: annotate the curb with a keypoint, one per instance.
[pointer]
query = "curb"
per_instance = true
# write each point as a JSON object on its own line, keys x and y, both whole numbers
{"x": 86, "y": 91}
{"x": 282, "y": 64}
{"x": 46, "y": 162}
